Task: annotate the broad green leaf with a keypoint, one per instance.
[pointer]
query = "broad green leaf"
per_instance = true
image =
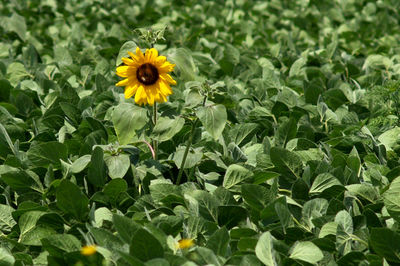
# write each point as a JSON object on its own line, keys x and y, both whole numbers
{"x": 288, "y": 163}
{"x": 295, "y": 69}
{"x": 313, "y": 209}
{"x": 306, "y": 251}
{"x": 17, "y": 24}
{"x": 213, "y": 118}
{"x": 231, "y": 215}
{"x": 391, "y": 199}
{"x": 194, "y": 156}
{"x": 389, "y": 138}
{"x": 118, "y": 165}
{"x": 6, "y": 220}
{"x": 71, "y": 200}
{"x": 166, "y": 128}
{"x": 16, "y": 72}
{"x": 125, "y": 227}
{"x": 183, "y": 60}
{"x": 79, "y": 164}
{"x": 207, "y": 204}
{"x": 385, "y": 243}
{"x": 127, "y": 118}
{"x": 265, "y": 249}
{"x": 97, "y": 169}
{"x": 46, "y": 153}
{"x": 219, "y": 241}
{"x": 22, "y": 180}
{"x": 114, "y": 188}
{"x": 6, "y": 257}
{"x": 145, "y": 246}
{"x": 59, "y": 244}
{"x": 322, "y": 182}
{"x": 255, "y": 195}
{"x": 235, "y": 174}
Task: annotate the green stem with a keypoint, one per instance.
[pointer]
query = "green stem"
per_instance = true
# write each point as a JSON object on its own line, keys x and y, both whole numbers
{"x": 155, "y": 143}
{"x": 189, "y": 143}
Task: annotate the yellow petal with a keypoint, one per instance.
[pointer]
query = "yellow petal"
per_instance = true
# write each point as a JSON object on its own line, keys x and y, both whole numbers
{"x": 139, "y": 54}
{"x": 168, "y": 78}
{"x": 135, "y": 58}
{"x": 122, "y": 83}
{"x": 167, "y": 67}
{"x": 160, "y": 60}
{"x": 150, "y": 55}
{"x": 127, "y": 61}
{"x": 165, "y": 89}
{"x": 130, "y": 91}
{"x": 123, "y": 71}
{"x": 140, "y": 95}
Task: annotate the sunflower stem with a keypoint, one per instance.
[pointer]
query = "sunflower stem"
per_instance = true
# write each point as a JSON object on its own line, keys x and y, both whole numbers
{"x": 155, "y": 143}
{"x": 189, "y": 143}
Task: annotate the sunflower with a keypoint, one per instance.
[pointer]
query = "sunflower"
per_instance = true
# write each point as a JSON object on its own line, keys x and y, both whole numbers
{"x": 146, "y": 77}
{"x": 185, "y": 243}
{"x": 88, "y": 250}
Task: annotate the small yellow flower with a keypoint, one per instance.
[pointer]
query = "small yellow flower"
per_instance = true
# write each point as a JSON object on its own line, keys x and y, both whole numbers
{"x": 88, "y": 250}
{"x": 146, "y": 76}
{"x": 185, "y": 243}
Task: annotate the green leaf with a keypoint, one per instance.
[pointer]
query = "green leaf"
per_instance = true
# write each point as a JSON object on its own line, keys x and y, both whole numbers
{"x": 213, "y": 118}
{"x": 17, "y": 24}
{"x": 6, "y": 257}
{"x": 127, "y": 118}
{"x": 306, "y": 251}
{"x": 16, "y": 72}
{"x": 207, "y": 204}
{"x": 265, "y": 249}
{"x": 97, "y": 169}
{"x": 59, "y": 244}
{"x": 234, "y": 175}
{"x": 46, "y": 153}
{"x": 118, "y": 165}
{"x": 323, "y": 181}
{"x": 389, "y": 138}
{"x": 125, "y": 227}
{"x": 114, "y": 189}
{"x": 295, "y": 69}
{"x": 183, "y": 60}
{"x": 6, "y": 145}
{"x": 78, "y": 207}
{"x": 219, "y": 241}
{"x": 145, "y": 246}
{"x": 194, "y": 156}
{"x": 22, "y": 180}
{"x": 385, "y": 243}
{"x": 166, "y": 128}
{"x": 391, "y": 199}
{"x": 6, "y": 220}
{"x": 255, "y": 195}
{"x": 288, "y": 163}
{"x": 231, "y": 215}
{"x": 79, "y": 164}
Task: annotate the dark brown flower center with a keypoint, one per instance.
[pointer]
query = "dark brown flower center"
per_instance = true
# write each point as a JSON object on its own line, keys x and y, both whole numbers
{"x": 147, "y": 74}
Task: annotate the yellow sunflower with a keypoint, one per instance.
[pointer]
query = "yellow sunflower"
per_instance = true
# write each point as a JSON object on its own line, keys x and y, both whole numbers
{"x": 185, "y": 243}
{"x": 88, "y": 250}
{"x": 146, "y": 77}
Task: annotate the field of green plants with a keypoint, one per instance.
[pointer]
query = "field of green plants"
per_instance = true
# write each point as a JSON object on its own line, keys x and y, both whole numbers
{"x": 279, "y": 145}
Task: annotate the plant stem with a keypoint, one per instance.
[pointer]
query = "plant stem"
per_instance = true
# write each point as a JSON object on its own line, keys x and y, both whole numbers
{"x": 155, "y": 143}
{"x": 189, "y": 143}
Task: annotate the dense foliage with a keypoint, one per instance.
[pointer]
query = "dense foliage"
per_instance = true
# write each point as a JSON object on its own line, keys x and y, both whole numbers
{"x": 291, "y": 109}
